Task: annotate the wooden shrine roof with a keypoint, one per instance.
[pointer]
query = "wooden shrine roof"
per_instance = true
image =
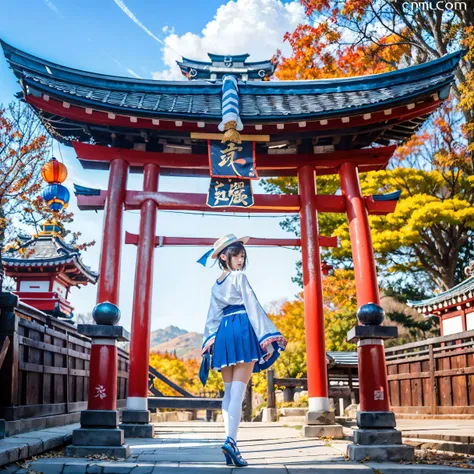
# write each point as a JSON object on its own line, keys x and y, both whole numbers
{"x": 346, "y": 113}
{"x": 447, "y": 300}
{"x": 48, "y": 251}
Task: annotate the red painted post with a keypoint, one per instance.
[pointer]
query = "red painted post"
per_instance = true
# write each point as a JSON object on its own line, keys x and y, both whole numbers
{"x": 142, "y": 301}
{"x": 362, "y": 250}
{"x": 103, "y": 383}
{"x": 109, "y": 281}
{"x": 372, "y": 367}
{"x": 103, "y": 361}
{"x": 313, "y": 293}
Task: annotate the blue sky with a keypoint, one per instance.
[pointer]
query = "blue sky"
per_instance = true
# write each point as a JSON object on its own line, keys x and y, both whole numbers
{"x": 99, "y": 36}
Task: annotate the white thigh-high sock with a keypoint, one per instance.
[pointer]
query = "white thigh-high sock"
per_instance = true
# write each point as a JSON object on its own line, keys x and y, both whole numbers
{"x": 235, "y": 407}
{"x": 225, "y": 406}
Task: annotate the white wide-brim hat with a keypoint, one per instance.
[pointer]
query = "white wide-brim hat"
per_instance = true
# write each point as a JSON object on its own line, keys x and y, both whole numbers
{"x": 225, "y": 241}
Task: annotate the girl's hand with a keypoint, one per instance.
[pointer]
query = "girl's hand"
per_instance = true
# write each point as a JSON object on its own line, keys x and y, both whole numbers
{"x": 269, "y": 350}
{"x": 210, "y": 349}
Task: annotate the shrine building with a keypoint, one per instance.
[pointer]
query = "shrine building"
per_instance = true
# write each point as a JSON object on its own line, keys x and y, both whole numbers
{"x": 454, "y": 307}
{"x": 45, "y": 268}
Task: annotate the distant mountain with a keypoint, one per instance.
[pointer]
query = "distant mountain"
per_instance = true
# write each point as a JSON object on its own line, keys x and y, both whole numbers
{"x": 187, "y": 346}
{"x": 164, "y": 335}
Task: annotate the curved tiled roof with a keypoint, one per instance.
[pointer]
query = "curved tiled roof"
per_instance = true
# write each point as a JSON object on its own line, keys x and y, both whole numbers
{"x": 455, "y": 295}
{"x": 252, "y": 106}
{"x": 48, "y": 251}
{"x": 343, "y": 358}
{"x": 259, "y": 101}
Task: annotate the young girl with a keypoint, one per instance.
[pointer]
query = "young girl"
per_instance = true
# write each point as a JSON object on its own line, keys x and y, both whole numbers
{"x": 238, "y": 333}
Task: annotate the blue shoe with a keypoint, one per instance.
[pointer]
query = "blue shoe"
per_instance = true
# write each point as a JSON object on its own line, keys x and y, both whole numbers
{"x": 228, "y": 459}
{"x": 230, "y": 448}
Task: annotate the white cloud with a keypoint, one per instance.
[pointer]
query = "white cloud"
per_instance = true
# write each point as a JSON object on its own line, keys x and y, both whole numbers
{"x": 54, "y": 8}
{"x": 256, "y": 27}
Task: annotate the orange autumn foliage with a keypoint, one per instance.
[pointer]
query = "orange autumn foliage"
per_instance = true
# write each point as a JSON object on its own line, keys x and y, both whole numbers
{"x": 322, "y": 48}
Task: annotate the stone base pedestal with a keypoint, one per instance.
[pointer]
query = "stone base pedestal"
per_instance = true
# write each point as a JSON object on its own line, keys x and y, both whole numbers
{"x": 269, "y": 414}
{"x": 378, "y": 440}
{"x": 98, "y": 434}
{"x": 322, "y": 424}
{"x": 381, "y": 452}
{"x": 136, "y": 424}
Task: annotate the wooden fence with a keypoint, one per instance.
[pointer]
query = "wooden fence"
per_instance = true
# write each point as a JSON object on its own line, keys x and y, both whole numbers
{"x": 343, "y": 385}
{"x": 45, "y": 370}
{"x": 433, "y": 377}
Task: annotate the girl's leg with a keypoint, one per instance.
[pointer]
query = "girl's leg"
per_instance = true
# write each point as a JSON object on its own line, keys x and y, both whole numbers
{"x": 227, "y": 374}
{"x": 240, "y": 379}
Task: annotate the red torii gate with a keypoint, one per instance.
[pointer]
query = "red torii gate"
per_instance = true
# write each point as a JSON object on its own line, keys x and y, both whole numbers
{"x": 308, "y": 203}
{"x": 322, "y": 127}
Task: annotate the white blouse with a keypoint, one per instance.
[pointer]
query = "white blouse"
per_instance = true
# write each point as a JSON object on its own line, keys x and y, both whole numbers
{"x": 235, "y": 289}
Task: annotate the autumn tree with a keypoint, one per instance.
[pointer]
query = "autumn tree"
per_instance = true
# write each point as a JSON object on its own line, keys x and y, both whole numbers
{"x": 24, "y": 149}
{"x": 358, "y": 37}
{"x": 427, "y": 238}
{"x": 183, "y": 372}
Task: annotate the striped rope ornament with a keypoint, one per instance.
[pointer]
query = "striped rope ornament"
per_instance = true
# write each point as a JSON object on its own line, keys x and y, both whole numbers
{"x": 231, "y": 123}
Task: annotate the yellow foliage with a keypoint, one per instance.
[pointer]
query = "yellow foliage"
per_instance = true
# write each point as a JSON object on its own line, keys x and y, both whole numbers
{"x": 184, "y": 373}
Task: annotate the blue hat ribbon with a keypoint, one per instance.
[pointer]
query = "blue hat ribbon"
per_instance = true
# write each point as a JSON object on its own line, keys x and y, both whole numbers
{"x": 203, "y": 260}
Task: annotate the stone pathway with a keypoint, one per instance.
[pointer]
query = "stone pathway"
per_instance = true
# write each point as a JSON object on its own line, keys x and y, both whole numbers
{"x": 194, "y": 447}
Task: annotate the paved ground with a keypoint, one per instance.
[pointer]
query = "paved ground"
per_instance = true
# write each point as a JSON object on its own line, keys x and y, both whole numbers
{"x": 194, "y": 447}
{"x": 456, "y": 430}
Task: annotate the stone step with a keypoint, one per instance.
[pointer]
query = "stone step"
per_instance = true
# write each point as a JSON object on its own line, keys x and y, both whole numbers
{"x": 292, "y": 419}
{"x": 80, "y": 466}
{"x": 449, "y": 446}
{"x": 293, "y": 411}
{"x": 26, "y": 445}
{"x": 458, "y": 438}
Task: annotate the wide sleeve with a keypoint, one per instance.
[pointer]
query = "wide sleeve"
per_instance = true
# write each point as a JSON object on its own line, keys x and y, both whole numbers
{"x": 264, "y": 328}
{"x": 214, "y": 316}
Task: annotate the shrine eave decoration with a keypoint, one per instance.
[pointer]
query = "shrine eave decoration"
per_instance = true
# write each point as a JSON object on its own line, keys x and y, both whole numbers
{"x": 226, "y": 64}
{"x": 461, "y": 295}
{"x": 335, "y": 114}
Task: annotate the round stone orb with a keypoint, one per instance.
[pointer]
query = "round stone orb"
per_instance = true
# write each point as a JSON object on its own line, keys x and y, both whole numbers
{"x": 371, "y": 314}
{"x": 106, "y": 313}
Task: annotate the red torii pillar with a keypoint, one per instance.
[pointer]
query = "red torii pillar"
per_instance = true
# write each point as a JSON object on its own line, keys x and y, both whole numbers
{"x": 375, "y": 437}
{"x": 372, "y": 367}
{"x": 103, "y": 361}
{"x": 99, "y": 432}
{"x": 319, "y": 420}
{"x": 136, "y": 417}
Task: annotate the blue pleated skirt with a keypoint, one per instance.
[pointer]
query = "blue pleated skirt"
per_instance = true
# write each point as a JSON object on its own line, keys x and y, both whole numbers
{"x": 236, "y": 342}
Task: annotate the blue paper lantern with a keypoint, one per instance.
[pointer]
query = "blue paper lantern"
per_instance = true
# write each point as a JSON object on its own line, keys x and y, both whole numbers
{"x": 56, "y": 196}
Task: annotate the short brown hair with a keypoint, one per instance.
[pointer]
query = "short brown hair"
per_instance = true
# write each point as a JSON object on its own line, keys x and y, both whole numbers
{"x": 232, "y": 251}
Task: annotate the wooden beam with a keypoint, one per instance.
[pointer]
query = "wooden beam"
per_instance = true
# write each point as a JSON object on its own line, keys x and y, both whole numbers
{"x": 132, "y": 239}
{"x": 103, "y": 117}
{"x": 264, "y": 203}
{"x": 4, "y": 345}
{"x": 197, "y": 202}
{"x": 380, "y": 208}
{"x": 366, "y": 157}
{"x": 185, "y": 403}
{"x": 220, "y": 136}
